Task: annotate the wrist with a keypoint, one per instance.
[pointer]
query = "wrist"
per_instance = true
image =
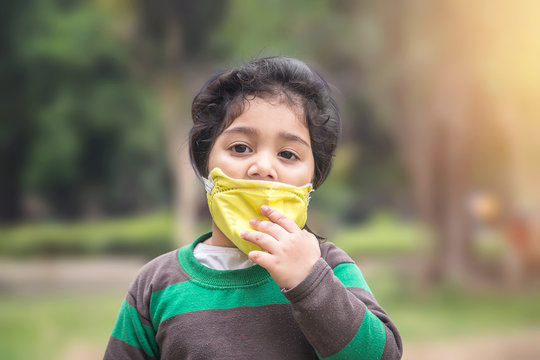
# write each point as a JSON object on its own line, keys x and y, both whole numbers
{"x": 294, "y": 279}
{"x": 308, "y": 285}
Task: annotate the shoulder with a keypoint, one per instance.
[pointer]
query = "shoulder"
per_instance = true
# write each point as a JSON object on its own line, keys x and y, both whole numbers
{"x": 156, "y": 275}
{"x": 333, "y": 255}
{"x": 164, "y": 266}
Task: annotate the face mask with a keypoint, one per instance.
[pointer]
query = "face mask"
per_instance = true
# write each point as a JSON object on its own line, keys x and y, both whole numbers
{"x": 233, "y": 202}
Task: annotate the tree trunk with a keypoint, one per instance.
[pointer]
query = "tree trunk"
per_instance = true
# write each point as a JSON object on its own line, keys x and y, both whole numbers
{"x": 176, "y": 114}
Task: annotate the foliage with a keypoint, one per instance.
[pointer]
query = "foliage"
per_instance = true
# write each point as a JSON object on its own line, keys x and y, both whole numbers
{"x": 148, "y": 236}
{"x": 273, "y": 31}
{"x": 91, "y": 141}
{"x": 383, "y": 235}
{"x": 91, "y": 137}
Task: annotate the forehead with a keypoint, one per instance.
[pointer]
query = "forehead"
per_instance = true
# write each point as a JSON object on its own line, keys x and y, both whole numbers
{"x": 239, "y": 106}
{"x": 270, "y": 116}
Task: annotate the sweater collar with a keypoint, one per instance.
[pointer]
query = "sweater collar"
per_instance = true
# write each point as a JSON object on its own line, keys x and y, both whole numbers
{"x": 252, "y": 276}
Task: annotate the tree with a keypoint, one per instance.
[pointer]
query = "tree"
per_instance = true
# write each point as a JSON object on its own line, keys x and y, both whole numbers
{"x": 14, "y": 129}
{"x": 454, "y": 100}
{"x": 172, "y": 46}
{"x": 83, "y": 138}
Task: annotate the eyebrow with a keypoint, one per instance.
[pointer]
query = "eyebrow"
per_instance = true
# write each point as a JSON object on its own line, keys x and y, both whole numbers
{"x": 291, "y": 137}
{"x": 242, "y": 130}
{"x": 254, "y": 132}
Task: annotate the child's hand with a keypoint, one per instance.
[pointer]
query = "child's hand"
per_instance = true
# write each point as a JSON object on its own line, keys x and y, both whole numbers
{"x": 292, "y": 252}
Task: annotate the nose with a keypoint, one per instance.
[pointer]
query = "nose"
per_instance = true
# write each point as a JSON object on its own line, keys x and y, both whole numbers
{"x": 262, "y": 168}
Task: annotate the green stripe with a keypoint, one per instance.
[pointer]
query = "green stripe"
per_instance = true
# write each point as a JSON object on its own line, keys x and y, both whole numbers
{"x": 129, "y": 329}
{"x": 191, "y": 296}
{"x": 368, "y": 343}
{"x": 351, "y": 276}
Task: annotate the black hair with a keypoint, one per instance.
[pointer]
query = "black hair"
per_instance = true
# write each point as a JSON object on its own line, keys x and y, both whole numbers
{"x": 222, "y": 99}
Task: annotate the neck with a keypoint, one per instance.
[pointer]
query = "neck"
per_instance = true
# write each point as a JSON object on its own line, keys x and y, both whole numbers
{"x": 218, "y": 238}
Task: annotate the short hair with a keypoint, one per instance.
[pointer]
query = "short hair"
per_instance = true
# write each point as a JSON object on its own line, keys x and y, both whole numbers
{"x": 222, "y": 99}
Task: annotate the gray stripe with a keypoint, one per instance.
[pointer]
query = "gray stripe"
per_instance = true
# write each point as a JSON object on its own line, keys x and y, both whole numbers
{"x": 119, "y": 350}
{"x": 329, "y": 332}
{"x": 334, "y": 255}
{"x": 154, "y": 276}
{"x": 393, "y": 348}
{"x": 265, "y": 332}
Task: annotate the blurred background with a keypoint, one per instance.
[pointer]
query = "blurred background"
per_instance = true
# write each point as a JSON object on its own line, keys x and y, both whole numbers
{"x": 434, "y": 190}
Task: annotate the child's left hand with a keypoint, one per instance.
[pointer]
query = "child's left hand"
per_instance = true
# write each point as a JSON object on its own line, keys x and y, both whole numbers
{"x": 292, "y": 252}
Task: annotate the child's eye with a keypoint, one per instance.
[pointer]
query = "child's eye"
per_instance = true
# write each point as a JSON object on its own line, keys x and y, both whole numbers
{"x": 240, "y": 148}
{"x": 287, "y": 155}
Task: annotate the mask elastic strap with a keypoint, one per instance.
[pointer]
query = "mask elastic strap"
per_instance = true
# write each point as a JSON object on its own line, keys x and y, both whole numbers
{"x": 309, "y": 196}
{"x": 208, "y": 184}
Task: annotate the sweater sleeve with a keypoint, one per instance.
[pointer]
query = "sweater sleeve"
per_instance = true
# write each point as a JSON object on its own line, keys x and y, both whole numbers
{"x": 133, "y": 336}
{"x": 339, "y": 315}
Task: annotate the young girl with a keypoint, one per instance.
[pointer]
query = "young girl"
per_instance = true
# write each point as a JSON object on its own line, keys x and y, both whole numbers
{"x": 260, "y": 285}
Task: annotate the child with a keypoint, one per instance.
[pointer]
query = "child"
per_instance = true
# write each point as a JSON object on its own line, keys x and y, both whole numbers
{"x": 260, "y": 285}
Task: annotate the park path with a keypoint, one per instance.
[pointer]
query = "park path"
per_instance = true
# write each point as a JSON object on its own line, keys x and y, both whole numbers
{"x": 522, "y": 345}
{"x": 73, "y": 274}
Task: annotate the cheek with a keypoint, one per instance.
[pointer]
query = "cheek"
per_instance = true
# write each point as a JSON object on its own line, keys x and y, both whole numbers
{"x": 221, "y": 158}
{"x": 211, "y": 163}
{"x": 312, "y": 170}
{"x": 303, "y": 175}
{"x": 212, "y": 158}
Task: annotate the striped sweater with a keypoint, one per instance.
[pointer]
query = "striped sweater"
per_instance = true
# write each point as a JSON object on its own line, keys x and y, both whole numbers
{"x": 177, "y": 308}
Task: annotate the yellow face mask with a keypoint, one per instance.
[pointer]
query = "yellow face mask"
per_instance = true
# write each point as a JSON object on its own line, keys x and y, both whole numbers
{"x": 233, "y": 202}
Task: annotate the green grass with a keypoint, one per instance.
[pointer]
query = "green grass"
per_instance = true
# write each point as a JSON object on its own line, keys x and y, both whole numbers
{"x": 451, "y": 314}
{"x": 33, "y": 327}
{"x": 445, "y": 312}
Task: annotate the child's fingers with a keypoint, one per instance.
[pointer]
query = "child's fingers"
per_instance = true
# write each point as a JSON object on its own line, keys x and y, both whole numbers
{"x": 261, "y": 258}
{"x": 268, "y": 227}
{"x": 280, "y": 219}
{"x": 264, "y": 241}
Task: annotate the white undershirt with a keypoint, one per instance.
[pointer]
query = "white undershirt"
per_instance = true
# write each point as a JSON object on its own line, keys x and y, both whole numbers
{"x": 221, "y": 258}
